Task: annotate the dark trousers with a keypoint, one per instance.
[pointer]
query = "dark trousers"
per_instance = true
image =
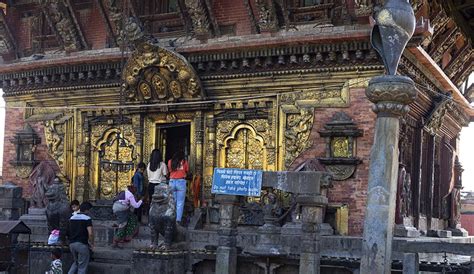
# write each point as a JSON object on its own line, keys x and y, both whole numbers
{"x": 151, "y": 190}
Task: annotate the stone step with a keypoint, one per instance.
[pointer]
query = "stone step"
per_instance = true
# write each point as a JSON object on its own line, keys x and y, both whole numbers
{"x": 108, "y": 254}
{"x": 100, "y": 268}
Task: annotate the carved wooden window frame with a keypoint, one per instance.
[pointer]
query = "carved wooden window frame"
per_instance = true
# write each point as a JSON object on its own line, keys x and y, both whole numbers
{"x": 160, "y": 20}
{"x": 297, "y": 11}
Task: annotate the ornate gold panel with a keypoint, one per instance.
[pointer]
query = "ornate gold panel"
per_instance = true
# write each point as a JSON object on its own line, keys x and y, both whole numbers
{"x": 297, "y": 132}
{"x": 340, "y": 147}
{"x": 243, "y": 146}
{"x": 111, "y": 145}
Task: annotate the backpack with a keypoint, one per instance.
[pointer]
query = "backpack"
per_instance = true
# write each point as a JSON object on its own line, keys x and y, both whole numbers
{"x": 119, "y": 196}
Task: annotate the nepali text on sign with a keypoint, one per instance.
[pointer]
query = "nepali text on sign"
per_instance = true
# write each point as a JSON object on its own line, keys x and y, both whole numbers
{"x": 233, "y": 181}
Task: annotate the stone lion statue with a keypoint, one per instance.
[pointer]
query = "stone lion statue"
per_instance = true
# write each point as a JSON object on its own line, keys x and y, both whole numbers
{"x": 58, "y": 210}
{"x": 162, "y": 217}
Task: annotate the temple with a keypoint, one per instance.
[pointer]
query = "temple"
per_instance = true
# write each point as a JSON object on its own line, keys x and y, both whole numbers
{"x": 93, "y": 86}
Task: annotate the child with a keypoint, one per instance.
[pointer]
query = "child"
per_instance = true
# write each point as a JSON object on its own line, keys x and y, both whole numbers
{"x": 56, "y": 264}
{"x": 75, "y": 207}
{"x": 138, "y": 181}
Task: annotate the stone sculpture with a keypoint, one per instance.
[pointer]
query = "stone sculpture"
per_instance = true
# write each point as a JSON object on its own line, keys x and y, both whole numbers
{"x": 58, "y": 211}
{"x": 41, "y": 178}
{"x": 162, "y": 217}
{"x": 395, "y": 24}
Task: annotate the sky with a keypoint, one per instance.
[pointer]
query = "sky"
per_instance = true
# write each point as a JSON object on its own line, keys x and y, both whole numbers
{"x": 466, "y": 156}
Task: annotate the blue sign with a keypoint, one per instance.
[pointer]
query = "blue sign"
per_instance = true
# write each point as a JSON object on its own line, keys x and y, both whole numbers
{"x": 234, "y": 181}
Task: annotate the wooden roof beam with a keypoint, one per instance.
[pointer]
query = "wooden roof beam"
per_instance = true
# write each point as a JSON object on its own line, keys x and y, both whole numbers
{"x": 7, "y": 41}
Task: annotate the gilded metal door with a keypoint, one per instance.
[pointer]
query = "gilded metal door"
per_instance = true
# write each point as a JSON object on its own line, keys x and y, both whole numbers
{"x": 116, "y": 158}
{"x": 244, "y": 149}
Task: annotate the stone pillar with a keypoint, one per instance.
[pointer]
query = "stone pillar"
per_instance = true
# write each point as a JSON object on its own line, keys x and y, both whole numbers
{"x": 226, "y": 255}
{"x": 11, "y": 201}
{"x": 312, "y": 212}
{"x": 36, "y": 220}
{"x": 411, "y": 263}
{"x": 391, "y": 95}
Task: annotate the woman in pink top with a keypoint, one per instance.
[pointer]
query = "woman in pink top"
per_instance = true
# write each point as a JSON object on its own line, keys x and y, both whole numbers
{"x": 128, "y": 222}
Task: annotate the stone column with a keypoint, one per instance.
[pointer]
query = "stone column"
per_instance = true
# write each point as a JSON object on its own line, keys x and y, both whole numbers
{"x": 311, "y": 217}
{"x": 411, "y": 263}
{"x": 11, "y": 201}
{"x": 226, "y": 256}
{"x": 391, "y": 95}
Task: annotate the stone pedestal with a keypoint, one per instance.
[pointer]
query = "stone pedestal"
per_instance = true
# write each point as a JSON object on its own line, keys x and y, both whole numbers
{"x": 226, "y": 255}
{"x": 11, "y": 201}
{"x": 268, "y": 243}
{"x": 312, "y": 210}
{"x": 439, "y": 233}
{"x": 391, "y": 95}
{"x": 37, "y": 222}
{"x": 407, "y": 231}
{"x": 459, "y": 232}
{"x": 290, "y": 236}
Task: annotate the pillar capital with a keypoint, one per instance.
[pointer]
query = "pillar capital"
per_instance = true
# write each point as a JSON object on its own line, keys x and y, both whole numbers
{"x": 391, "y": 94}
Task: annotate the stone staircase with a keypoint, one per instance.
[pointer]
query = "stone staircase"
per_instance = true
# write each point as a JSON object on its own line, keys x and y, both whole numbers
{"x": 104, "y": 233}
{"x": 109, "y": 260}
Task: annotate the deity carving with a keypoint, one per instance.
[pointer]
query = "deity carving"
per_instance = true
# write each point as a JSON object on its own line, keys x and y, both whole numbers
{"x": 435, "y": 121}
{"x": 154, "y": 73}
{"x": 340, "y": 147}
{"x": 297, "y": 132}
{"x": 41, "y": 178}
{"x": 266, "y": 16}
{"x": 272, "y": 208}
{"x": 403, "y": 195}
{"x": 61, "y": 19}
{"x": 455, "y": 214}
{"x": 116, "y": 17}
{"x": 54, "y": 141}
{"x": 199, "y": 18}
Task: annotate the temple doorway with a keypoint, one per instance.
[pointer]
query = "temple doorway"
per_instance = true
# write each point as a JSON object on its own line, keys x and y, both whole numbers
{"x": 172, "y": 137}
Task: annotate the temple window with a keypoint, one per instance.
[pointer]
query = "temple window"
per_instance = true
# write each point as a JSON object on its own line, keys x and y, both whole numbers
{"x": 308, "y": 3}
{"x": 160, "y": 17}
{"x": 314, "y": 11}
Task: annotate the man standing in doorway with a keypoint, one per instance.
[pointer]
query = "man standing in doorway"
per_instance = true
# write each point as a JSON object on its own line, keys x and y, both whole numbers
{"x": 81, "y": 238}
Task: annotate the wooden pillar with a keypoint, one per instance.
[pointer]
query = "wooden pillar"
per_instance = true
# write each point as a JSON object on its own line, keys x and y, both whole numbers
{"x": 416, "y": 174}
{"x": 430, "y": 177}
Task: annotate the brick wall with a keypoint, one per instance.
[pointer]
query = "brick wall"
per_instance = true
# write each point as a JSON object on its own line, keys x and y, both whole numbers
{"x": 352, "y": 191}
{"x": 15, "y": 122}
{"x": 93, "y": 27}
{"x": 230, "y": 12}
{"x": 467, "y": 222}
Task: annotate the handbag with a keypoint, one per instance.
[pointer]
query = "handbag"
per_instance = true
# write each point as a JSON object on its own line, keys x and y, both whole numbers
{"x": 53, "y": 237}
